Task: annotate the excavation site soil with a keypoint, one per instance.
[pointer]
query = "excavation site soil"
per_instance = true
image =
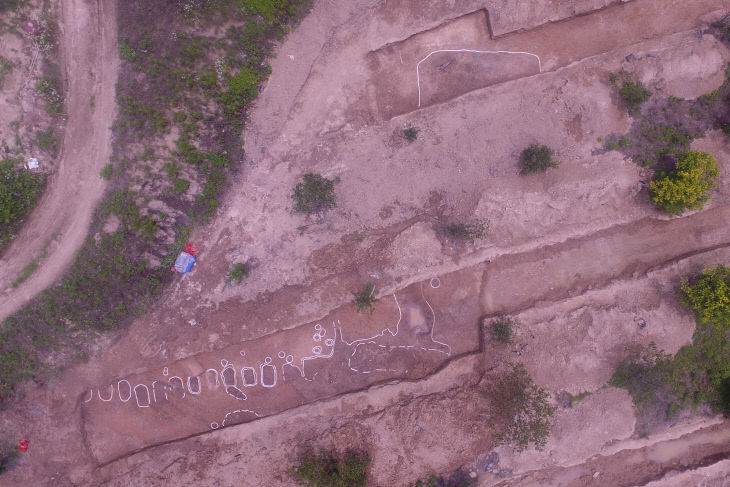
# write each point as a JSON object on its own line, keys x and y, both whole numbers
{"x": 221, "y": 384}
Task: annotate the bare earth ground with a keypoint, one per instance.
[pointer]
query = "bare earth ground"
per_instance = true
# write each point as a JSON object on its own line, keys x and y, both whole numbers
{"x": 57, "y": 228}
{"x": 577, "y": 256}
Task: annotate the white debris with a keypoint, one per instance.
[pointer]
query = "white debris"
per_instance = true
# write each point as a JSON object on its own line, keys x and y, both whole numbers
{"x": 32, "y": 163}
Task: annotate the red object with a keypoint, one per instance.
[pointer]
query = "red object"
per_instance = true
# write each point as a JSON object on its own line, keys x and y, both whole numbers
{"x": 23, "y": 445}
{"x": 191, "y": 249}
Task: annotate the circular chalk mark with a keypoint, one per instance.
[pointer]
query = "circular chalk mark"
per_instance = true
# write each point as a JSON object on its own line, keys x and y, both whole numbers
{"x": 281, "y": 354}
{"x": 214, "y": 425}
{"x": 435, "y": 283}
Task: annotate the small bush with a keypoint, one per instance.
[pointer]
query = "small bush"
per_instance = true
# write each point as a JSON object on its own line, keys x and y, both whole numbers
{"x": 325, "y": 470}
{"x": 536, "y": 159}
{"x": 633, "y": 93}
{"x": 410, "y": 133}
{"x": 523, "y": 409}
{"x": 316, "y": 193}
{"x": 365, "y": 300}
{"x": 709, "y": 296}
{"x": 236, "y": 273}
{"x": 466, "y": 231}
{"x": 501, "y": 329}
{"x": 26, "y": 273}
{"x": 686, "y": 187}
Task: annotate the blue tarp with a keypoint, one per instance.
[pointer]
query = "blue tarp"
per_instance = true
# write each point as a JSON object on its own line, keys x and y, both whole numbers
{"x": 184, "y": 262}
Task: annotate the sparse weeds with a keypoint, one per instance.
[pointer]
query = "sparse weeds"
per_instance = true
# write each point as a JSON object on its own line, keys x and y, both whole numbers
{"x": 8, "y": 453}
{"x": 19, "y": 192}
{"x": 46, "y": 140}
{"x": 237, "y": 272}
{"x": 6, "y": 67}
{"x": 326, "y": 470}
{"x": 365, "y": 300}
{"x": 459, "y": 478}
{"x": 49, "y": 90}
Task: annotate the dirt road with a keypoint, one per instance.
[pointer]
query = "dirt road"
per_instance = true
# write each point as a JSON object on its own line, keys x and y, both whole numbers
{"x": 58, "y": 226}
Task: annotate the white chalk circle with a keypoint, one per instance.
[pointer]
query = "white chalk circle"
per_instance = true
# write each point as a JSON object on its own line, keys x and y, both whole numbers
{"x": 435, "y": 283}
{"x": 281, "y": 354}
{"x": 165, "y": 371}
{"x": 214, "y": 425}
{"x": 317, "y": 350}
{"x": 243, "y": 354}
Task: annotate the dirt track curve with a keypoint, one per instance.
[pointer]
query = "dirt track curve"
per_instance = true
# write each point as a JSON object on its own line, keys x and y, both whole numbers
{"x": 58, "y": 227}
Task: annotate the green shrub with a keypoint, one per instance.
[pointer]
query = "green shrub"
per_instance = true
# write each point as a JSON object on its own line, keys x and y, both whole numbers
{"x": 501, "y": 329}
{"x": 709, "y": 297}
{"x": 685, "y": 187}
{"x": 314, "y": 194}
{"x": 365, "y": 299}
{"x": 26, "y": 273}
{"x": 237, "y": 272}
{"x": 410, "y": 133}
{"x": 523, "y": 409}
{"x": 325, "y": 470}
{"x": 537, "y": 158}
{"x": 633, "y": 93}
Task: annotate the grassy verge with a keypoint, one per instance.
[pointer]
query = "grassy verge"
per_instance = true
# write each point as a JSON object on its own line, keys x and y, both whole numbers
{"x": 176, "y": 77}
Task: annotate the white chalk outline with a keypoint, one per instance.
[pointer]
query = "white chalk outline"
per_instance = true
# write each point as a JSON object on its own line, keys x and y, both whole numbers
{"x": 98, "y": 393}
{"x": 371, "y": 340}
{"x": 119, "y": 391}
{"x": 223, "y": 423}
{"x": 474, "y": 51}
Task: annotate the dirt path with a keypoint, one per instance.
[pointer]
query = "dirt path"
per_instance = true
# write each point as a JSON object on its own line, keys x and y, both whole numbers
{"x": 58, "y": 227}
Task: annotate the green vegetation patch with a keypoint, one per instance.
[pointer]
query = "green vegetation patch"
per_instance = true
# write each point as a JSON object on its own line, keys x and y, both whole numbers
{"x": 661, "y": 385}
{"x": 411, "y": 133}
{"x": 327, "y": 470}
{"x": 19, "y": 193}
{"x": 6, "y": 67}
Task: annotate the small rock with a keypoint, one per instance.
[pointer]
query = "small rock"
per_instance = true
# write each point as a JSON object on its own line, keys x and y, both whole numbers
{"x": 504, "y": 473}
{"x": 473, "y": 475}
{"x": 595, "y": 475}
